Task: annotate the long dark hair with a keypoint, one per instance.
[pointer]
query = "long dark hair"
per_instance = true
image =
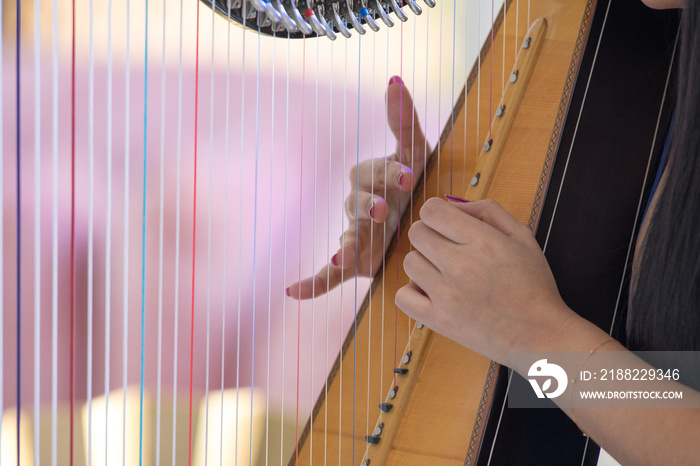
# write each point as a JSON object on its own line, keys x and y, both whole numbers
{"x": 665, "y": 306}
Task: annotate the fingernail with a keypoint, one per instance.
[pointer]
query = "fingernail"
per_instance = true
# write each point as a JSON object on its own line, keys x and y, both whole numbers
{"x": 394, "y": 80}
{"x": 288, "y": 293}
{"x": 371, "y": 211}
{"x": 401, "y": 180}
{"x": 334, "y": 259}
{"x": 455, "y": 198}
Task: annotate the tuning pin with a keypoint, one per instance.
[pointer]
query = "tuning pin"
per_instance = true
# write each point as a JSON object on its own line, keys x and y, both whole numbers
{"x": 316, "y": 25}
{"x": 278, "y": 27}
{"x": 414, "y": 7}
{"x": 258, "y": 5}
{"x": 271, "y": 12}
{"x": 399, "y": 12}
{"x": 353, "y": 19}
{"x": 285, "y": 18}
{"x": 339, "y": 21}
{"x": 382, "y": 14}
{"x": 234, "y": 4}
{"x": 369, "y": 20}
{"x": 263, "y": 21}
{"x": 330, "y": 33}
{"x": 302, "y": 25}
{"x": 251, "y": 13}
{"x": 430, "y": 3}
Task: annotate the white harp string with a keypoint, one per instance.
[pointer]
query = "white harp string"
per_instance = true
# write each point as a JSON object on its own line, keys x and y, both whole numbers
{"x": 91, "y": 200}
{"x": 37, "y": 232}
{"x": 313, "y": 252}
{"x": 269, "y": 253}
{"x": 54, "y": 236}
{"x": 108, "y": 232}
{"x": 328, "y": 249}
{"x": 161, "y": 227}
{"x": 371, "y": 234}
{"x": 342, "y": 258}
{"x": 209, "y": 220}
{"x": 125, "y": 283}
{"x": 2, "y": 202}
{"x": 240, "y": 234}
{"x": 176, "y": 305}
{"x": 225, "y": 247}
{"x": 284, "y": 267}
{"x": 357, "y": 230}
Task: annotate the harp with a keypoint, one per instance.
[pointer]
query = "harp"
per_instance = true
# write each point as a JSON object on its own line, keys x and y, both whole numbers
{"x": 543, "y": 125}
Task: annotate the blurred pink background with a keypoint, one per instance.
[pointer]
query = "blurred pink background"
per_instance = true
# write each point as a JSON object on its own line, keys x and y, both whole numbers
{"x": 293, "y": 226}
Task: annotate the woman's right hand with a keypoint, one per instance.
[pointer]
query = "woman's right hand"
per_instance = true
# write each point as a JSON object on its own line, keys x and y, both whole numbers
{"x": 375, "y": 203}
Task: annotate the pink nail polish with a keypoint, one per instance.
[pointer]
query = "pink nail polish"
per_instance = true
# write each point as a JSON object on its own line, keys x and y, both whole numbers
{"x": 394, "y": 80}
{"x": 401, "y": 180}
{"x": 371, "y": 212}
{"x": 455, "y": 198}
{"x": 334, "y": 260}
{"x": 288, "y": 293}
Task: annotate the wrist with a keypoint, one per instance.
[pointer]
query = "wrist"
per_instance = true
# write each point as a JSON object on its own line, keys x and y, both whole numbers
{"x": 572, "y": 333}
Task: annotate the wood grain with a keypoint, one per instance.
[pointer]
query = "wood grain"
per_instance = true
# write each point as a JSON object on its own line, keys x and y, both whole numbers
{"x": 439, "y": 417}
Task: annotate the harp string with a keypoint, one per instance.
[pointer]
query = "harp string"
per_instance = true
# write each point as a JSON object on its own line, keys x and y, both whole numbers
{"x": 269, "y": 252}
{"x": 301, "y": 192}
{"x": 37, "y": 230}
{"x": 439, "y": 118}
{"x": 491, "y": 74}
{"x": 342, "y": 258}
{"x": 328, "y": 248}
{"x": 127, "y": 171}
{"x": 384, "y": 233}
{"x": 313, "y": 250}
{"x": 478, "y": 82}
{"x": 108, "y": 241}
{"x": 176, "y": 304}
{"x": 209, "y": 220}
{"x": 54, "y": 254}
{"x": 194, "y": 225}
{"x": 19, "y": 257}
{"x": 226, "y": 206}
{"x": 255, "y": 235}
{"x": 466, "y": 95}
{"x": 91, "y": 197}
{"x": 240, "y": 230}
{"x": 517, "y": 20}
{"x": 413, "y": 138}
{"x": 452, "y": 98}
{"x": 503, "y": 65}
{"x": 2, "y": 223}
{"x": 371, "y": 239}
{"x": 398, "y": 224}
{"x": 72, "y": 241}
{"x": 161, "y": 203}
{"x": 284, "y": 260}
{"x": 357, "y": 229}
{"x": 143, "y": 231}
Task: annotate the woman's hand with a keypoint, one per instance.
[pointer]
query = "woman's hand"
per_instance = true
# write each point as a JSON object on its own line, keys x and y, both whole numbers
{"x": 480, "y": 278}
{"x": 373, "y": 205}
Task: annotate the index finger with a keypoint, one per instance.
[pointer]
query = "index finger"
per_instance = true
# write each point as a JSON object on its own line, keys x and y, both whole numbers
{"x": 380, "y": 175}
{"x": 403, "y": 121}
{"x": 453, "y": 223}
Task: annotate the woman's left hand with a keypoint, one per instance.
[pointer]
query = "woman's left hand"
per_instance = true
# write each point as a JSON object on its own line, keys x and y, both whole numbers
{"x": 480, "y": 278}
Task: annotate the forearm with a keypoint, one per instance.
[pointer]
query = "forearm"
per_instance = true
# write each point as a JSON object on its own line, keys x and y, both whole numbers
{"x": 645, "y": 435}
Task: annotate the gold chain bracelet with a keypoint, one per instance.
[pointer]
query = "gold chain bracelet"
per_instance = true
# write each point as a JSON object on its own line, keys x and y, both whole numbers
{"x": 573, "y": 381}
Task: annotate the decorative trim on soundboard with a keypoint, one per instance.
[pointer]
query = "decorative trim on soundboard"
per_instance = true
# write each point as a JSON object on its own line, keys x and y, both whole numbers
{"x": 561, "y": 114}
